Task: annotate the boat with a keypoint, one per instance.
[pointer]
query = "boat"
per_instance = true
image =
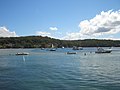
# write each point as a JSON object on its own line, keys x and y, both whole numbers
{"x": 71, "y": 52}
{"x": 101, "y": 50}
{"x": 52, "y": 48}
{"x": 77, "y": 48}
{"x": 22, "y": 53}
{"x": 42, "y": 48}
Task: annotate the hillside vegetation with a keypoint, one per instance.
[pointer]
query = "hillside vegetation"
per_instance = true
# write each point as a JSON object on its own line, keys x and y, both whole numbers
{"x": 46, "y": 42}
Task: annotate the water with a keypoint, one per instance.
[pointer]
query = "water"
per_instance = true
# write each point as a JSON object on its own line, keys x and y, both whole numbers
{"x": 45, "y": 70}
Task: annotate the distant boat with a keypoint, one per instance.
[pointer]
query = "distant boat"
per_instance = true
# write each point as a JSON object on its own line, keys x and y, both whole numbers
{"x": 77, "y": 48}
{"x": 52, "y": 48}
{"x": 42, "y": 48}
{"x": 71, "y": 52}
{"x": 101, "y": 50}
{"x": 22, "y": 53}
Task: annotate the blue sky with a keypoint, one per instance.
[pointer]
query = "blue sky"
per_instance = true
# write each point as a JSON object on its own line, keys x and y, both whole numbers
{"x": 37, "y": 17}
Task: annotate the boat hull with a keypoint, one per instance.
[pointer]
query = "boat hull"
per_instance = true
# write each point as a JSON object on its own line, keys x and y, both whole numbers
{"x": 103, "y": 52}
{"x": 22, "y": 53}
{"x": 52, "y": 49}
{"x": 71, "y": 52}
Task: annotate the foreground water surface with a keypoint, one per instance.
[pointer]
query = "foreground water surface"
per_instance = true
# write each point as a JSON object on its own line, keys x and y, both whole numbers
{"x": 46, "y": 70}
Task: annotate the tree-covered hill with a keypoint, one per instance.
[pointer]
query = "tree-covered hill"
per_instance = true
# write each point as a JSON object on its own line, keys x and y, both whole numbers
{"x": 46, "y": 42}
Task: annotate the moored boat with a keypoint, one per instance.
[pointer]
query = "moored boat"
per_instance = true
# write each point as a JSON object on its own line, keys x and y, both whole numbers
{"x": 71, "y": 53}
{"x": 77, "y": 48}
{"x": 101, "y": 50}
{"x": 22, "y": 53}
{"x": 52, "y": 48}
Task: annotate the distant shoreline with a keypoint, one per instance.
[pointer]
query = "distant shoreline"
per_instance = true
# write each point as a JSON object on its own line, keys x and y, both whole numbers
{"x": 46, "y": 42}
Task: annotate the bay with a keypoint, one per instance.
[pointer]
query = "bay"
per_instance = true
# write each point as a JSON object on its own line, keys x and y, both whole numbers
{"x": 56, "y": 70}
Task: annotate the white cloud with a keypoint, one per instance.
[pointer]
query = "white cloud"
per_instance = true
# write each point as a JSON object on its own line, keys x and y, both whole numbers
{"x": 106, "y": 23}
{"x": 53, "y": 28}
{"x": 76, "y": 36}
{"x": 4, "y": 32}
{"x": 43, "y": 33}
{"x": 72, "y": 36}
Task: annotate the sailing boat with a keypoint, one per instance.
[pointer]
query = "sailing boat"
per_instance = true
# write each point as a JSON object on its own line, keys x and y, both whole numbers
{"x": 53, "y": 48}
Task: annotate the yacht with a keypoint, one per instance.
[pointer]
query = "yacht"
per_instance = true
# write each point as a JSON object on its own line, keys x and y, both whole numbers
{"x": 101, "y": 50}
{"x": 52, "y": 48}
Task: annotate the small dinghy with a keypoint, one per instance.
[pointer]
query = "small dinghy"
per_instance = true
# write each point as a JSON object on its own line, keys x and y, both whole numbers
{"x": 22, "y": 53}
{"x": 71, "y": 52}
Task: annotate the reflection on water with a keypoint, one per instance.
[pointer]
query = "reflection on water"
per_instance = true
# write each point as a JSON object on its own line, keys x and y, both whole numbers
{"x": 45, "y": 70}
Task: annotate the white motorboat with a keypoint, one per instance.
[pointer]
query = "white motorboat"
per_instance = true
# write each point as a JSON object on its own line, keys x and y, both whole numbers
{"x": 77, "y": 48}
{"x": 101, "y": 50}
{"x": 22, "y": 53}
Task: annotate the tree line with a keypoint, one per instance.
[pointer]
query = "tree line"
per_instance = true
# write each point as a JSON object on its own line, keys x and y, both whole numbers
{"x": 46, "y": 42}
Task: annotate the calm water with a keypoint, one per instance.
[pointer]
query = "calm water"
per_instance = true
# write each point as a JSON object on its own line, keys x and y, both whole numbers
{"x": 45, "y": 70}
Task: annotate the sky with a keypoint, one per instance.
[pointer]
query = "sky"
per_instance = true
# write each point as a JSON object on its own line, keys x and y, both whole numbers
{"x": 61, "y": 19}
